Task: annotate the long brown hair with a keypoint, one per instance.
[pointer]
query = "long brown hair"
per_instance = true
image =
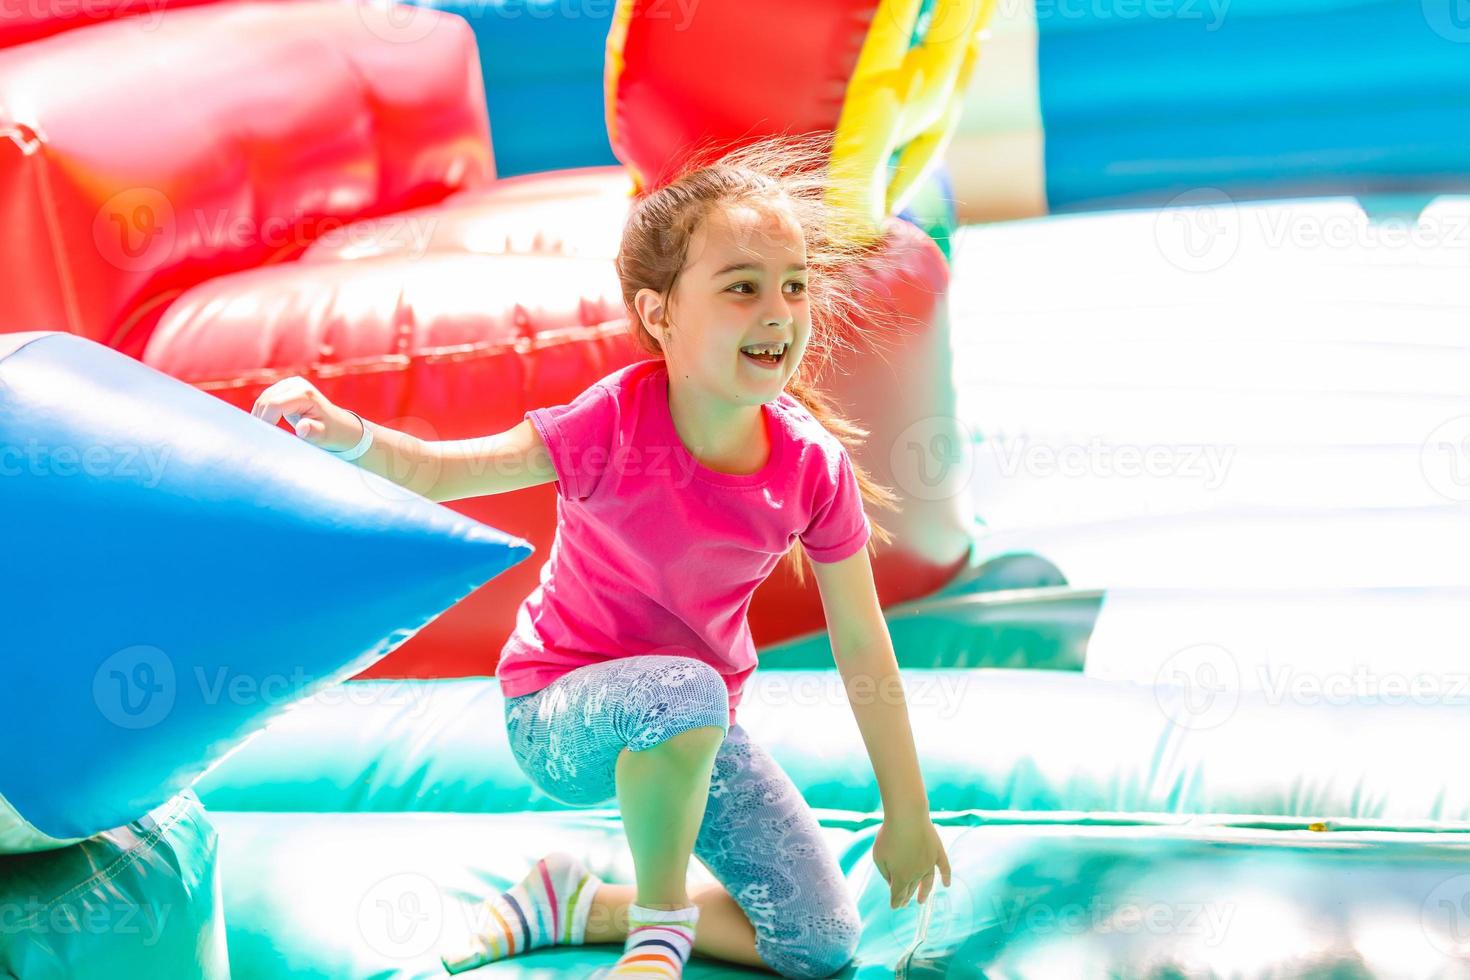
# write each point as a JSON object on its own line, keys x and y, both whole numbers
{"x": 788, "y": 170}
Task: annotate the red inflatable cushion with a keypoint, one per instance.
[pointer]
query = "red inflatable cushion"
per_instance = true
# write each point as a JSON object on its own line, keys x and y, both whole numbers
{"x": 673, "y": 84}
{"x": 282, "y": 120}
{"x": 31, "y": 21}
{"x": 563, "y": 212}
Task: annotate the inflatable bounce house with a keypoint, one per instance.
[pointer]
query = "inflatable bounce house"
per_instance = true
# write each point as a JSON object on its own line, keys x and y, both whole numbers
{"x": 1181, "y": 435}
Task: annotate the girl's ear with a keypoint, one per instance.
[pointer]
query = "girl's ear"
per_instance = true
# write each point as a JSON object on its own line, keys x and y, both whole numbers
{"x": 650, "y": 307}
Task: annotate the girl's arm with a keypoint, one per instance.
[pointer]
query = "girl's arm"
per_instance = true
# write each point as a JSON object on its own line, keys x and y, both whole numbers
{"x": 454, "y": 469}
{"x": 441, "y": 471}
{"x": 908, "y": 847}
{"x": 509, "y": 460}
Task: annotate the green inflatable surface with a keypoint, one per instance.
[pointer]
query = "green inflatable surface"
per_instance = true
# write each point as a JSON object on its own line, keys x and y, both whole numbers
{"x": 140, "y": 901}
{"x": 1095, "y": 828}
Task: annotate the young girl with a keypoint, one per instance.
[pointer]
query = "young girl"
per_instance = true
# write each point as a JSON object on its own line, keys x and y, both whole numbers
{"x": 682, "y": 480}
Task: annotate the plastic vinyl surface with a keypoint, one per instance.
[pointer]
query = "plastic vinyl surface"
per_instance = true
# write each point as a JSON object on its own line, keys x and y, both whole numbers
{"x": 1371, "y": 105}
{"x": 540, "y": 61}
{"x": 1034, "y": 900}
{"x": 1068, "y": 109}
{"x": 1242, "y": 396}
{"x": 669, "y": 74}
{"x": 299, "y": 117}
{"x": 30, "y": 22}
{"x": 1397, "y": 645}
{"x": 1089, "y": 833}
{"x": 989, "y": 739}
{"x": 577, "y": 212}
{"x": 139, "y": 901}
{"x": 1045, "y": 629}
{"x": 179, "y": 572}
{"x": 883, "y": 77}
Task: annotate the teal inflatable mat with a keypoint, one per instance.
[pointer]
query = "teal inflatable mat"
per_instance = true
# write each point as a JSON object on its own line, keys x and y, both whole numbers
{"x": 1095, "y": 827}
{"x": 142, "y": 900}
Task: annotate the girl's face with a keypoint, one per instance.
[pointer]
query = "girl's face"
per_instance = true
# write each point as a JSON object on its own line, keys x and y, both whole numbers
{"x": 743, "y": 284}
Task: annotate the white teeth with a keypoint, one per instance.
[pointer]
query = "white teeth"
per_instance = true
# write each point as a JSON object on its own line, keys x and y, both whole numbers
{"x": 765, "y": 349}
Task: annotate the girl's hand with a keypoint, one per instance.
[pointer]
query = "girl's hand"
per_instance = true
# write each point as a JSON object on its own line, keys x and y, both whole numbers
{"x": 906, "y": 852}
{"x": 315, "y": 418}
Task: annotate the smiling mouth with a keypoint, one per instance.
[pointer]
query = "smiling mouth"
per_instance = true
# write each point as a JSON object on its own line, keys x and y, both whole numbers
{"x": 766, "y": 359}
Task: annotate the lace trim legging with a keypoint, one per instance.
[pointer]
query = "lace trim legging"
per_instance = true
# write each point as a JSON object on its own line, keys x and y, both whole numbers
{"x": 758, "y": 837}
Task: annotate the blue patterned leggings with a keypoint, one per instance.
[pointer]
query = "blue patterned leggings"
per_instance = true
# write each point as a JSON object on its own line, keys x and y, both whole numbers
{"x": 758, "y": 838}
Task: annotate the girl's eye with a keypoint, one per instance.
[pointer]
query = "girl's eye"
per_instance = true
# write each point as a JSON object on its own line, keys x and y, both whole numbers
{"x": 745, "y": 287}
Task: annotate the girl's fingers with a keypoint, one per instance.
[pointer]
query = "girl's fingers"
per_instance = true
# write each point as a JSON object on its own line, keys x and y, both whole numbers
{"x": 278, "y": 400}
{"x": 274, "y": 411}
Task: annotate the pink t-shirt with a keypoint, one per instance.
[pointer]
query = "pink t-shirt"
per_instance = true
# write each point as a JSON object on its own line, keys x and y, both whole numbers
{"x": 656, "y": 553}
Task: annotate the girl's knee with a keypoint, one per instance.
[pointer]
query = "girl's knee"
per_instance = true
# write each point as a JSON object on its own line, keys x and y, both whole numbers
{"x": 691, "y": 744}
{"x": 685, "y": 675}
{"x": 681, "y": 695}
{"x": 697, "y": 739}
{"x": 830, "y": 945}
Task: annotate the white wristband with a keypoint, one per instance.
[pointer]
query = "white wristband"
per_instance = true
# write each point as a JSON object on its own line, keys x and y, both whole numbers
{"x": 362, "y": 446}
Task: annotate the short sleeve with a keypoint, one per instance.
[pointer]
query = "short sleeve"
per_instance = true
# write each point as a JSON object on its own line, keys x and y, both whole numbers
{"x": 579, "y": 436}
{"x": 839, "y": 527}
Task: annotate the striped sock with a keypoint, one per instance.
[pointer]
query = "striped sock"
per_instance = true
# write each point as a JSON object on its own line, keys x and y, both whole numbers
{"x": 549, "y": 907}
{"x": 659, "y": 943}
